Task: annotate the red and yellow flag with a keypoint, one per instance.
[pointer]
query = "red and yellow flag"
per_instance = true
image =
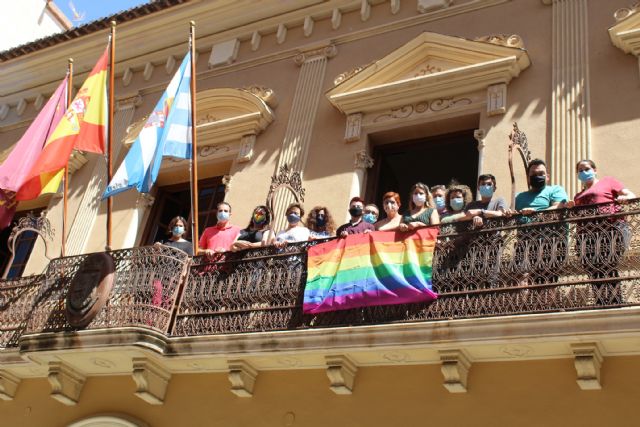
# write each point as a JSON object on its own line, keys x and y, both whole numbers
{"x": 83, "y": 128}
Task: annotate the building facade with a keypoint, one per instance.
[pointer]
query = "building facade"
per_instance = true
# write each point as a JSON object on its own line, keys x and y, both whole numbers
{"x": 333, "y": 98}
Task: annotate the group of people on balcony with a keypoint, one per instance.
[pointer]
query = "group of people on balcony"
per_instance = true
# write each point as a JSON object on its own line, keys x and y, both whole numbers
{"x": 427, "y": 206}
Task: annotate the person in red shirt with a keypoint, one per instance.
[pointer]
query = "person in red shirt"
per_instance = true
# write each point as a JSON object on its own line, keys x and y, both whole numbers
{"x": 221, "y": 236}
{"x": 602, "y": 242}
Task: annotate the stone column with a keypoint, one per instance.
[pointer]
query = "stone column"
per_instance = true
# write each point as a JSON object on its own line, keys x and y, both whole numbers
{"x": 85, "y": 218}
{"x": 570, "y": 108}
{"x": 479, "y": 135}
{"x": 297, "y": 138}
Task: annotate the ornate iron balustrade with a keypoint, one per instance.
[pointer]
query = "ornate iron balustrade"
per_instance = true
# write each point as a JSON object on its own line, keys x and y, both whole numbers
{"x": 144, "y": 291}
{"x": 583, "y": 258}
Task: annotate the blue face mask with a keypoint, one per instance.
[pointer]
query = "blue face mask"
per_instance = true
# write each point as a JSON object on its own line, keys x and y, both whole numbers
{"x": 457, "y": 203}
{"x": 223, "y": 216}
{"x": 586, "y": 175}
{"x": 486, "y": 190}
{"x": 439, "y": 201}
{"x": 370, "y": 218}
{"x": 177, "y": 230}
{"x": 293, "y": 218}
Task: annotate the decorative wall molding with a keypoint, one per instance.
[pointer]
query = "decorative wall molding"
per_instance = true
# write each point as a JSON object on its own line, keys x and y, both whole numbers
{"x": 399, "y": 79}
{"x": 224, "y": 53}
{"x": 496, "y": 99}
{"x": 570, "y": 104}
{"x": 625, "y": 34}
{"x": 246, "y": 148}
{"x": 455, "y": 369}
{"x": 8, "y": 385}
{"x": 324, "y": 52}
{"x": 342, "y": 374}
{"x": 66, "y": 383}
{"x": 242, "y": 377}
{"x": 426, "y": 6}
{"x": 353, "y": 129}
{"x": 587, "y": 360}
{"x": 151, "y": 380}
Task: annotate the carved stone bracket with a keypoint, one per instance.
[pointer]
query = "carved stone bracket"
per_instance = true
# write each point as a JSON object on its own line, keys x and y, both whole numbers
{"x": 327, "y": 52}
{"x": 588, "y": 361}
{"x": 362, "y": 160}
{"x": 455, "y": 368}
{"x": 8, "y": 385}
{"x": 425, "y": 6}
{"x": 497, "y": 99}
{"x": 66, "y": 383}
{"x": 145, "y": 200}
{"x": 479, "y": 135}
{"x": 353, "y": 129}
{"x": 246, "y": 148}
{"x": 151, "y": 380}
{"x": 226, "y": 181}
{"x": 242, "y": 377}
{"x": 342, "y": 374}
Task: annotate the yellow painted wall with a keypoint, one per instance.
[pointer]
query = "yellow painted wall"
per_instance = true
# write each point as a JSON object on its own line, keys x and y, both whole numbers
{"x": 540, "y": 393}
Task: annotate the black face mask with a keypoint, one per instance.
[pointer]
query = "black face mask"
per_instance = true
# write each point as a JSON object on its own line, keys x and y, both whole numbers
{"x": 355, "y": 212}
{"x": 537, "y": 182}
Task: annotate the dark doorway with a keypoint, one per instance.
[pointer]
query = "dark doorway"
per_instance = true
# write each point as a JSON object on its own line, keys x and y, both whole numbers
{"x": 434, "y": 160}
{"x": 175, "y": 200}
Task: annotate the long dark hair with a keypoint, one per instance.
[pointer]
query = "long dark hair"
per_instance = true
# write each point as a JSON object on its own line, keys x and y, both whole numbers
{"x": 330, "y": 225}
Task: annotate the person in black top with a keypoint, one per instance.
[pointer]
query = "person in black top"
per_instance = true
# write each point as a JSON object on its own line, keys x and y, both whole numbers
{"x": 257, "y": 232}
{"x": 176, "y": 229}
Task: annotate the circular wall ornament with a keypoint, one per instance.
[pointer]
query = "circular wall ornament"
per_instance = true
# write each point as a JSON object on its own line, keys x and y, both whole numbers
{"x": 89, "y": 290}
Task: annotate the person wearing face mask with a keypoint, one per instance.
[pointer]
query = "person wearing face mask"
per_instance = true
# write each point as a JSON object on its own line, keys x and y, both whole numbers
{"x": 421, "y": 212}
{"x": 295, "y": 231}
{"x": 257, "y": 232}
{"x": 545, "y": 246}
{"x": 320, "y": 223}
{"x": 176, "y": 230}
{"x": 371, "y": 213}
{"x": 457, "y": 198}
{"x": 391, "y": 205}
{"x": 221, "y": 236}
{"x": 439, "y": 193}
{"x": 488, "y": 206}
{"x": 601, "y": 243}
{"x": 356, "y": 225}
{"x": 541, "y": 195}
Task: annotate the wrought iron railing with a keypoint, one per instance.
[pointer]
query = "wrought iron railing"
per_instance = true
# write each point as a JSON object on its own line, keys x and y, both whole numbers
{"x": 583, "y": 258}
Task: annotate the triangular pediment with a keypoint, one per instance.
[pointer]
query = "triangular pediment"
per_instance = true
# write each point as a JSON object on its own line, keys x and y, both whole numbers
{"x": 430, "y": 66}
{"x": 625, "y": 34}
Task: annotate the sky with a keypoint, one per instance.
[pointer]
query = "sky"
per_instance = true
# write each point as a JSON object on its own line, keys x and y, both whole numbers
{"x": 90, "y": 10}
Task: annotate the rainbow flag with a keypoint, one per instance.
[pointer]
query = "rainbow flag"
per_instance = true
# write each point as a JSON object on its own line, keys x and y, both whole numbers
{"x": 362, "y": 270}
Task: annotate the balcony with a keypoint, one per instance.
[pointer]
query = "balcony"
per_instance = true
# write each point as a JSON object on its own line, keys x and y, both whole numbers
{"x": 580, "y": 259}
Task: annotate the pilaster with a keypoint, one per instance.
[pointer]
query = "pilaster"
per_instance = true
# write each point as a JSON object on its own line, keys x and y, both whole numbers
{"x": 570, "y": 110}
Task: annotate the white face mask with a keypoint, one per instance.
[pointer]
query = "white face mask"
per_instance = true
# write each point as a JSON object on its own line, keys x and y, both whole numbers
{"x": 419, "y": 199}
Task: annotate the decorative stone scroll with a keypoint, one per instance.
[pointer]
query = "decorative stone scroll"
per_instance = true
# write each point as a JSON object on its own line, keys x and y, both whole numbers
{"x": 66, "y": 383}
{"x": 151, "y": 380}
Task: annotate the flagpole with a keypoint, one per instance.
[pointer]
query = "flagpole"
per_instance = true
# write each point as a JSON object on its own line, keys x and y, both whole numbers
{"x": 65, "y": 188}
{"x": 112, "y": 54}
{"x": 194, "y": 143}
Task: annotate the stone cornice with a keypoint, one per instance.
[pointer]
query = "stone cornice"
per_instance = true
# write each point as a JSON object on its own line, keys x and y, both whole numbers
{"x": 524, "y": 337}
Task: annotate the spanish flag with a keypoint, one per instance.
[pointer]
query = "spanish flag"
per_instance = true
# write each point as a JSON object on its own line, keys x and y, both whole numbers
{"x": 83, "y": 127}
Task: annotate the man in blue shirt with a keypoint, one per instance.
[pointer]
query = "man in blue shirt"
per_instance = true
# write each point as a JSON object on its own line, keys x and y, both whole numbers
{"x": 545, "y": 246}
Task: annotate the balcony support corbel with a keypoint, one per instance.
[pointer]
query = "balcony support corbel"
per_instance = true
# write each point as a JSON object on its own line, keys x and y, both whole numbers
{"x": 66, "y": 383}
{"x": 587, "y": 360}
{"x": 151, "y": 380}
{"x": 455, "y": 369}
{"x": 8, "y": 385}
{"x": 242, "y": 377}
{"x": 342, "y": 374}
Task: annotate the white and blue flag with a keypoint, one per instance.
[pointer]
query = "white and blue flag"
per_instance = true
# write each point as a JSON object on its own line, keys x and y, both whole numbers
{"x": 167, "y": 132}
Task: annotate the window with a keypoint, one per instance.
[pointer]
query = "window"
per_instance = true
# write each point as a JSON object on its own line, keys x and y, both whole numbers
{"x": 23, "y": 247}
{"x": 175, "y": 200}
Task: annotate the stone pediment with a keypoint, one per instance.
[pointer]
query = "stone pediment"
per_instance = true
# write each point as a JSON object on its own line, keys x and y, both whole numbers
{"x": 431, "y": 66}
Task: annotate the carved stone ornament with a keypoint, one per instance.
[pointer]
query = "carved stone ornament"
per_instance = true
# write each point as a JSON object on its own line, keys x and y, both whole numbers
{"x": 289, "y": 178}
{"x": 264, "y": 93}
{"x": 350, "y": 73}
{"x": 353, "y": 128}
{"x": 434, "y": 106}
{"x": 362, "y": 160}
{"x": 625, "y": 12}
{"x": 37, "y": 224}
{"x": 326, "y": 51}
{"x": 89, "y": 290}
{"x": 512, "y": 40}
